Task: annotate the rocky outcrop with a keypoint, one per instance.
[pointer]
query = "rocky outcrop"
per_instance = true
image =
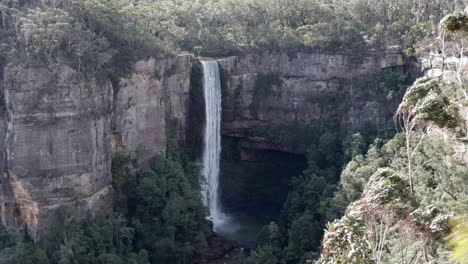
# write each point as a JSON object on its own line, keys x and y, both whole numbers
{"x": 56, "y": 141}
{"x": 150, "y": 105}
{"x": 269, "y": 90}
{"x": 453, "y": 71}
{"x": 59, "y": 130}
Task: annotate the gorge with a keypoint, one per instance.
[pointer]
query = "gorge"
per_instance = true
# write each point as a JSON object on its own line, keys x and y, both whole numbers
{"x": 136, "y": 114}
{"x": 233, "y": 131}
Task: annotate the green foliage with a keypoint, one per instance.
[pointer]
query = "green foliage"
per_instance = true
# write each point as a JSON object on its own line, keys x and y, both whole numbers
{"x": 419, "y": 90}
{"x": 303, "y": 239}
{"x": 427, "y": 101}
{"x": 414, "y": 222}
{"x": 159, "y": 214}
{"x": 430, "y": 220}
{"x": 15, "y": 249}
{"x": 125, "y": 25}
{"x": 437, "y": 108}
{"x": 354, "y": 146}
{"x": 51, "y": 34}
{"x": 105, "y": 239}
{"x": 92, "y": 34}
{"x": 455, "y": 22}
{"x": 315, "y": 196}
{"x": 438, "y": 180}
{"x": 269, "y": 242}
{"x": 86, "y": 35}
{"x": 23, "y": 253}
{"x": 387, "y": 191}
{"x": 303, "y": 213}
{"x": 384, "y": 86}
{"x": 226, "y": 27}
{"x": 165, "y": 207}
{"x": 196, "y": 83}
{"x": 353, "y": 178}
{"x": 346, "y": 240}
{"x": 159, "y": 218}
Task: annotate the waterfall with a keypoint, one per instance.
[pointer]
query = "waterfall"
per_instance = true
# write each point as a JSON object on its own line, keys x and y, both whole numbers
{"x": 212, "y": 142}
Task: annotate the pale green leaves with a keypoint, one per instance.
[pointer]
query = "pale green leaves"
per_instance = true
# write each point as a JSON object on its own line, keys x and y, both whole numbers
{"x": 346, "y": 240}
{"x": 426, "y": 101}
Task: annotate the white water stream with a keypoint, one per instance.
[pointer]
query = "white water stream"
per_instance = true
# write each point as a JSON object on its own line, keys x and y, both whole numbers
{"x": 212, "y": 142}
{"x": 238, "y": 228}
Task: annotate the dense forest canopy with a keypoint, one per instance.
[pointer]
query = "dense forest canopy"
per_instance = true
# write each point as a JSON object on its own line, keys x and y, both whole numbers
{"x": 91, "y": 32}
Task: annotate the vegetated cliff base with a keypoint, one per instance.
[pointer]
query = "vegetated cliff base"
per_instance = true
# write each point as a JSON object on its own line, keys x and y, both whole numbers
{"x": 59, "y": 129}
{"x": 274, "y": 100}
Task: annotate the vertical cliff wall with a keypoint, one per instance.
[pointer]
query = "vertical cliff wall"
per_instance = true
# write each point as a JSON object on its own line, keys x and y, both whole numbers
{"x": 269, "y": 91}
{"x": 277, "y": 106}
{"x": 150, "y": 105}
{"x": 56, "y": 141}
{"x": 60, "y": 128}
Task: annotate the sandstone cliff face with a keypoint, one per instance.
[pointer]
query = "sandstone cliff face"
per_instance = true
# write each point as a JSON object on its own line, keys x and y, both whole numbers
{"x": 55, "y": 142}
{"x": 59, "y": 130}
{"x": 150, "y": 105}
{"x": 271, "y": 89}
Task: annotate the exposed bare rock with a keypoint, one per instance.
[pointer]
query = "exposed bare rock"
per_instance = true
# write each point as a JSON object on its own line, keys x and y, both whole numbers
{"x": 149, "y": 103}
{"x": 59, "y": 129}
{"x": 56, "y": 144}
{"x": 303, "y": 88}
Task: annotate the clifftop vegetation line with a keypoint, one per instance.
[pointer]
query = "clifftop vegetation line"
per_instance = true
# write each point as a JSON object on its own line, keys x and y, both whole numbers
{"x": 92, "y": 33}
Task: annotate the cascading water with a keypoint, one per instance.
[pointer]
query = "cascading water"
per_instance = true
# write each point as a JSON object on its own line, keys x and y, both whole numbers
{"x": 212, "y": 142}
{"x": 232, "y": 227}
